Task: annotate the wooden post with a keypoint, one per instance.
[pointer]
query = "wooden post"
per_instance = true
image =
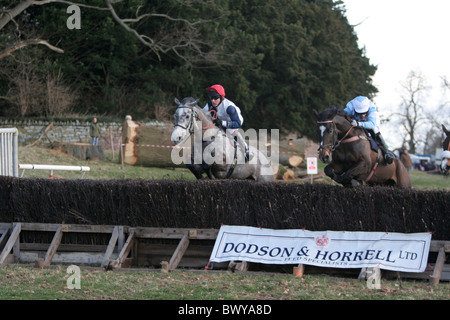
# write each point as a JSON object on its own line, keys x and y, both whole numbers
{"x": 298, "y": 271}
{"x": 11, "y": 242}
{"x": 436, "y": 276}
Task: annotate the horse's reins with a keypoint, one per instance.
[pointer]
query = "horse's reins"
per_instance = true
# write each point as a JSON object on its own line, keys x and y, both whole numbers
{"x": 335, "y": 143}
{"x": 213, "y": 116}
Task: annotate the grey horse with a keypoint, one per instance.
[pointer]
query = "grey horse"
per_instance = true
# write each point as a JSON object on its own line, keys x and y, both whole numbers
{"x": 215, "y": 152}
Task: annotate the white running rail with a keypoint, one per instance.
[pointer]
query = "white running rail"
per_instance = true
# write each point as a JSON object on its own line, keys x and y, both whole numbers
{"x": 24, "y": 167}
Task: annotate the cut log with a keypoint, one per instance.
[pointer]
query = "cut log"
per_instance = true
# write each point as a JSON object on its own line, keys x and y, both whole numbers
{"x": 128, "y": 154}
{"x": 147, "y": 145}
{"x": 284, "y": 173}
{"x": 291, "y": 160}
{"x": 295, "y": 160}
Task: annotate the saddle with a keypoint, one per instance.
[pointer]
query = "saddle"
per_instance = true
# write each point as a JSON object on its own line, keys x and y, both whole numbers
{"x": 373, "y": 143}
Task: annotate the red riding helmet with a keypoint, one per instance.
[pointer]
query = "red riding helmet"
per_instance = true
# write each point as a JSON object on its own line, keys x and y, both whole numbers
{"x": 217, "y": 88}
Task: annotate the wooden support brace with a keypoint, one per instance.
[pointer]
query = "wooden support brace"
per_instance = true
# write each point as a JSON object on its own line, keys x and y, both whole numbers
{"x": 179, "y": 252}
{"x": 362, "y": 274}
{"x": 234, "y": 266}
{"x": 124, "y": 252}
{"x": 436, "y": 276}
{"x": 111, "y": 246}
{"x": 11, "y": 241}
{"x": 4, "y": 237}
{"x": 53, "y": 246}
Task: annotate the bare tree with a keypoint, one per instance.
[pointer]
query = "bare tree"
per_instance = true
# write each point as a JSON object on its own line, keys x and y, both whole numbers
{"x": 411, "y": 112}
{"x": 59, "y": 96}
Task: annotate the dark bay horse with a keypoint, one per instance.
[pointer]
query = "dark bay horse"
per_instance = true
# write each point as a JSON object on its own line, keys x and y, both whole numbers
{"x": 348, "y": 151}
{"x": 445, "y": 156}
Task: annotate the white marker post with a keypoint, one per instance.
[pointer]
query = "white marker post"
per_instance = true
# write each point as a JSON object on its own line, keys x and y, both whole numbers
{"x": 311, "y": 166}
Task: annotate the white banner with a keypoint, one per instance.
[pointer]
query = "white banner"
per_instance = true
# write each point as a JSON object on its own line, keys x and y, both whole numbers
{"x": 334, "y": 249}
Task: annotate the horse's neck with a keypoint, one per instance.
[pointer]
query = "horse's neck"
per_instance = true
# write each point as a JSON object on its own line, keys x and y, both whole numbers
{"x": 344, "y": 126}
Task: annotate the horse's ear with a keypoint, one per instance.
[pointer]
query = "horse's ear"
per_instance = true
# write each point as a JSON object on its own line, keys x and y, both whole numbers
{"x": 445, "y": 130}
{"x": 177, "y": 101}
{"x": 316, "y": 113}
{"x": 192, "y": 103}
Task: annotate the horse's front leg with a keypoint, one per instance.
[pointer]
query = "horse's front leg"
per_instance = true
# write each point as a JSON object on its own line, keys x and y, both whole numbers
{"x": 197, "y": 170}
{"x": 355, "y": 176}
{"x": 330, "y": 171}
{"x": 344, "y": 177}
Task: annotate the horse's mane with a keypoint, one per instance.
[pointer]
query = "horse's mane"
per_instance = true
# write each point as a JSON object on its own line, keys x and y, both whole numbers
{"x": 331, "y": 112}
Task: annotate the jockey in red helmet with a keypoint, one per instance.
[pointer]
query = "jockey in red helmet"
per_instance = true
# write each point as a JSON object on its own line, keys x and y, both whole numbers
{"x": 228, "y": 114}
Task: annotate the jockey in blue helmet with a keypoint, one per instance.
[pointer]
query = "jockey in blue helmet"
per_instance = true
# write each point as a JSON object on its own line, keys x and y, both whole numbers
{"x": 364, "y": 114}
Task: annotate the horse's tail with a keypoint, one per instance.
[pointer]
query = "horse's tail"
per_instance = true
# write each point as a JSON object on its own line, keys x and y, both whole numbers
{"x": 402, "y": 174}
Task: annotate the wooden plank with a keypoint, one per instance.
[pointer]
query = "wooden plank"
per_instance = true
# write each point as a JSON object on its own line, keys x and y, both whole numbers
{"x": 53, "y": 246}
{"x": 436, "y": 276}
{"x": 81, "y": 228}
{"x": 111, "y": 246}
{"x": 65, "y": 247}
{"x": 11, "y": 241}
{"x": 179, "y": 252}
{"x": 175, "y": 233}
{"x": 121, "y": 239}
{"x": 437, "y": 244}
{"x": 89, "y": 258}
{"x": 124, "y": 252}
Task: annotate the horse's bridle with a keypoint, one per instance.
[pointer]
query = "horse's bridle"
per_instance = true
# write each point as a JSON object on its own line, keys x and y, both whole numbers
{"x": 189, "y": 128}
{"x": 335, "y": 141}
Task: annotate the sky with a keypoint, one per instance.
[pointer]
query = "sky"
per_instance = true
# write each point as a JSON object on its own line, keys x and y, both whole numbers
{"x": 400, "y": 36}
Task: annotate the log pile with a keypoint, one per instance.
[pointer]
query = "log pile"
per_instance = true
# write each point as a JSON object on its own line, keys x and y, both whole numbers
{"x": 291, "y": 160}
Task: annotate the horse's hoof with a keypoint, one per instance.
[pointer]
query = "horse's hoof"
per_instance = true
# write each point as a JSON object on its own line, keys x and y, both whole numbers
{"x": 355, "y": 183}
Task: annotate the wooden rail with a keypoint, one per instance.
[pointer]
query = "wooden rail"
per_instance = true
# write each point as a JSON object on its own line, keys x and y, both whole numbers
{"x": 114, "y": 255}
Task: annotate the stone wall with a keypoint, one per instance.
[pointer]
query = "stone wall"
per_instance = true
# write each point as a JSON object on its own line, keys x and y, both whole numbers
{"x": 66, "y": 131}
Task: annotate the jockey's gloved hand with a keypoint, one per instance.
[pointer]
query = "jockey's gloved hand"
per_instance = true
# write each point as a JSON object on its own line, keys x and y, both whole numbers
{"x": 354, "y": 123}
{"x": 217, "y": 122}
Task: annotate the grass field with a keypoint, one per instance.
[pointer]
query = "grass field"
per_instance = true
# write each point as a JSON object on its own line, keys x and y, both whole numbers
{"x": 21, "y": 282}
{"x": 27, "y": 282}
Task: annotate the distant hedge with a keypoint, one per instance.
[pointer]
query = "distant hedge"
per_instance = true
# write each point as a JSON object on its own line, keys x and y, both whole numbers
{"x": 208, "y": 204}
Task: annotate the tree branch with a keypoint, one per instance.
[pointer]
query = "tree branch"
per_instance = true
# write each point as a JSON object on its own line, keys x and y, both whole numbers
{"x": 26, "y": 43}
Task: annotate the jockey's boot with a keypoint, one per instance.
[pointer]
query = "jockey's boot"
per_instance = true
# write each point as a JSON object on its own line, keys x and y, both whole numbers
{"x": 248, "y": 155}
{"x": 388, "y": 155}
